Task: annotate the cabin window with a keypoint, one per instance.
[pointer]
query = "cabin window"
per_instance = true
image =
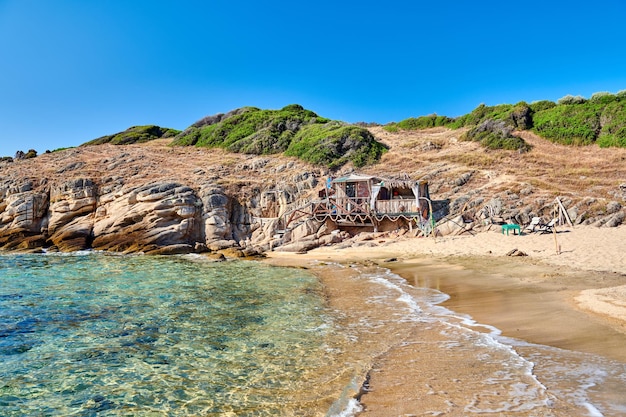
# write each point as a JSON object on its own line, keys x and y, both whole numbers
{"x": 351, "y": 190}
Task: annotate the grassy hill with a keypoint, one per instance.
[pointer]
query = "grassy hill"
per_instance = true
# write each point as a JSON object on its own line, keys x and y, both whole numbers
{"x": 291, "y": 130}
{"x": 570, "y": 121}
{"x": 295, "y": 131}
{"x": 135, "y": 134}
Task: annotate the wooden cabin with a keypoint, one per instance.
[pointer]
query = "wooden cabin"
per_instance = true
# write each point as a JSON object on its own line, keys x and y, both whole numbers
{"x": 362, "y": 200}
{"x": 380, "y": 197}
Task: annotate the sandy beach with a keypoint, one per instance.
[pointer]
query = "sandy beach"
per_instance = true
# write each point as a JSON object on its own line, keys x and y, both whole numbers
{"x": 569, "y": 292}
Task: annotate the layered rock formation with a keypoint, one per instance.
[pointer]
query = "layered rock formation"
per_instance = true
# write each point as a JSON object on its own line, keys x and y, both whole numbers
{"x": 150, "y": 208}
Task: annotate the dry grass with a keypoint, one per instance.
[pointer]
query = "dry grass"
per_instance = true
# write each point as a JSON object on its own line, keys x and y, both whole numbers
{"x": 436, "y": 154}
{"x": 548, "y": 167}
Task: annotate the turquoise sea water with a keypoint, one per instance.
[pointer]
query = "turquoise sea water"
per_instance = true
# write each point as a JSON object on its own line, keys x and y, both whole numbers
{"x": 108, "y": 335}
{"x": 93, "y": 334}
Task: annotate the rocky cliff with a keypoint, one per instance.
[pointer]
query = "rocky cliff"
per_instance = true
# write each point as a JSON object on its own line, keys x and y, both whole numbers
{"x": 158, "y": 199}
{"x": 150, "y": 199}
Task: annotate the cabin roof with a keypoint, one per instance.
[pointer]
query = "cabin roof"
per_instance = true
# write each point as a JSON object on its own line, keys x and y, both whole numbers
{"x": 355, "y": 178}
{"x": 387, "y": 182}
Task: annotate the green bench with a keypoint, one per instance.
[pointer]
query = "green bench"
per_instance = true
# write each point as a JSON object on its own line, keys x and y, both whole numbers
{"x": 513, "y": 227}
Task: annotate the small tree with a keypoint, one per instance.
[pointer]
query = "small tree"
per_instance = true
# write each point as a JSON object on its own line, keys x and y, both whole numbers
{"x": 30, "y": 154}
{"x": 569, "y": 99}
{"x": 603, "y": 97}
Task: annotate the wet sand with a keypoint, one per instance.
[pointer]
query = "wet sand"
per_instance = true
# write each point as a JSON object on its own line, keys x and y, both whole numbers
{"x": 534, "y": 299}
{"x": 526, "y": 300}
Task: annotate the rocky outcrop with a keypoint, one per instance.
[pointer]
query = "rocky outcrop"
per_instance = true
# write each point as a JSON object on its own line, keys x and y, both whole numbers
{"x": 163, "y": 217}
{"x": 70, "y": 214}
{"x": 161, "y": 200}
{"x": 22, "y": 215}
{"x": 148, "y": 218}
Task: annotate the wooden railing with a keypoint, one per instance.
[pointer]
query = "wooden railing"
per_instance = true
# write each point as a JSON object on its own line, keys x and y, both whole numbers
{"x": 354, "y": 207}
{"x": 397, "y": 206}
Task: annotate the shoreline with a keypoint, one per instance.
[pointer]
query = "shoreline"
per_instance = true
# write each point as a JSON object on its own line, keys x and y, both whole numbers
{"x": 575, "y": 300}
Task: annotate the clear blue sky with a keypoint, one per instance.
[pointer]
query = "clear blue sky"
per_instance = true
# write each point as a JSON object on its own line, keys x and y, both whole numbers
{"x": 74, "y": 70}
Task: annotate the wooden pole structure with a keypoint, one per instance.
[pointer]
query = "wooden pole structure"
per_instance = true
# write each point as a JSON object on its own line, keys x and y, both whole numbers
{"x": 556, "y": 243}
{"x": 563, "y": 212}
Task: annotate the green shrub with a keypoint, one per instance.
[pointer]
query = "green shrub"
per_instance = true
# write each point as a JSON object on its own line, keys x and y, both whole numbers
{"x": 482, "y": 113}
{"x": 391, "y": 128}
{"x": 569, "y": 99}
{"x": 573, "y": 120}
{"x": 333, "y": 144}
{"x": 603, "y": 97}
{"x": 424, "y": 122}
{"x": 250, "y": 130}
{"x": 613, "y": 125}
{"x": 537, "y": 106}
{"x": 522, "y": 116}
{"x": 135, "y": 134}
{"x": 569, "y": 124}
{"x": 30, "y": 154}
{"x": 496, "y": 134}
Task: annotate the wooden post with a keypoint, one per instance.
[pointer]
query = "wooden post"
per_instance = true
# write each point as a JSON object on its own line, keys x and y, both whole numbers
{"x": 556, "y": 244}
{"x": 564, "y": 212}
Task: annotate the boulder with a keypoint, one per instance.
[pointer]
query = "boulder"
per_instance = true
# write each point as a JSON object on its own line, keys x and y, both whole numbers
{"x": 215, "y": 215}
{"x": 161, "y": 214}
{"x": 23, "y": 211}
{"x": 218, "y": 245}
{"x": 300, "y": 246}
{"x": 453, "y": 226}
{"x": 70, "y": 214}
{"x": 615, "y": 220}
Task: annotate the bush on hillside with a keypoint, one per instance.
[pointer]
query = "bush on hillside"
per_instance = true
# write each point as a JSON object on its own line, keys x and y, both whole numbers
{"x": 367, "y": 124}
{"x": 483, "y": 113}
{"x": 250, "y": 130}
{"x": 391, "y": 128}
{"x": 603, "y": 97}
{"x": 28, "y": 155}
{"x": 569, "y": 124}
{"x": 422, "y": 122}
{"x": 334, "y": 144}
{"x": 537, "y": 106}
{"x": 496, "y": 134}
{"x": 135, "y": 134}
{"x": 613, "y": 125}
{"x": 573, "y": 120}
{"x": 569, "y": 99}
{"x": 292, "y": 130}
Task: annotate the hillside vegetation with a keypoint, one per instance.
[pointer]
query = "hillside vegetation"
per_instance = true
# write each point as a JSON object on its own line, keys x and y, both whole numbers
{"x": 570, "y": 121}
{"x": 135, "y": 134}
{"x": 291, "y": 130}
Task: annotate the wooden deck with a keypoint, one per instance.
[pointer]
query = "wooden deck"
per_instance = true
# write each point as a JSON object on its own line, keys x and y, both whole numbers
{"x": 358, "y": 211}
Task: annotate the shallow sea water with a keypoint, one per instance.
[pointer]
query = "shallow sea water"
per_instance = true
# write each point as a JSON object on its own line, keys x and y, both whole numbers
{"x": 102, "y": 335}
{"x": 94, "y": 334}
